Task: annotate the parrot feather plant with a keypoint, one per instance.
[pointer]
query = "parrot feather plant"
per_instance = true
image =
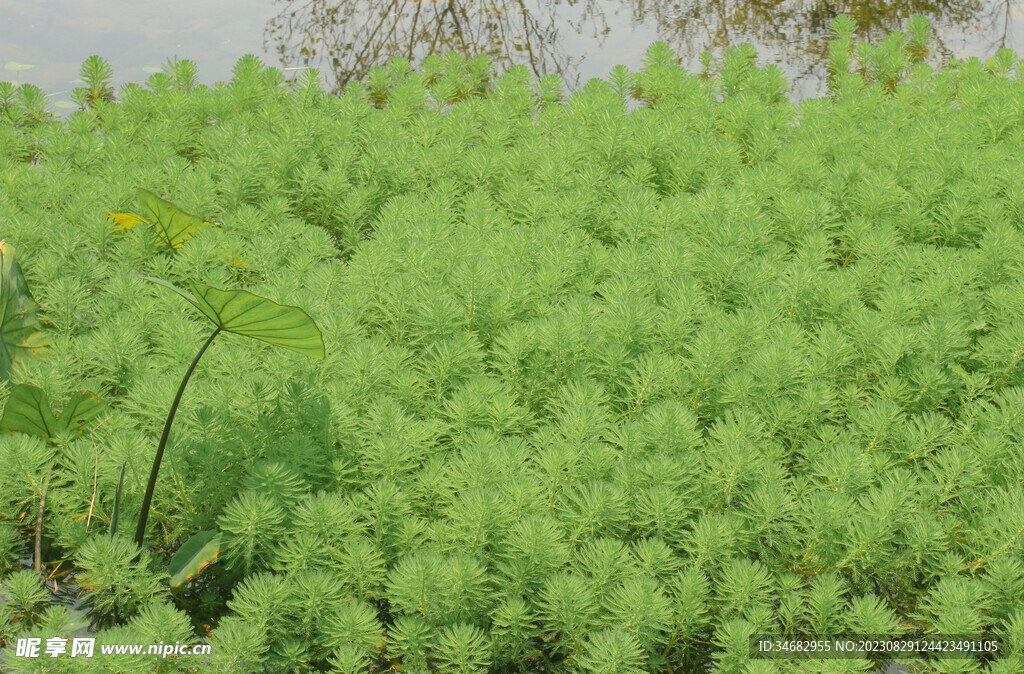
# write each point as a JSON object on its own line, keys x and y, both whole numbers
{"x": 28, "y": 411}
{"x": 242, "y": 313}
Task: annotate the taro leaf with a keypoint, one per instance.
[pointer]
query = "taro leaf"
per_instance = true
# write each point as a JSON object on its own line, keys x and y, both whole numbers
{"x": 82, "y": 408}
{"x": 174, "y": 225}
{"x": 28, "y": 411}
{"x": 191, "y": 559}
{"x": 19, "y": 324}
{"x": 241, "y": 312}
{"x": 115, "y": 513}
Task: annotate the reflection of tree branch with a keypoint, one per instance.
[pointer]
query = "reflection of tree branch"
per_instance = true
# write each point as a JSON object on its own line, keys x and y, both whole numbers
{"x": 796, "y": 32}
{"x": 1000, "y": 41}
{"x": 345, "y": 35}
{"x": 480, "y": 26}
{"x": 455, "y": 20}
{"x": 529, "y": 49}
{"x": 412, "y": 33}
{"x": 1006, "y": 24}
{"x": 369, "y": 42}
{"x": 798, "y": 27}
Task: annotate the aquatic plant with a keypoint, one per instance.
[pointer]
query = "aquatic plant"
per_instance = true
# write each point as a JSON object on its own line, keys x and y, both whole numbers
{"x": 242, "y": 313}
{"x": 96, "y": 75}
{"x": 614, "y": 379}
{"x": 28, "y": 411}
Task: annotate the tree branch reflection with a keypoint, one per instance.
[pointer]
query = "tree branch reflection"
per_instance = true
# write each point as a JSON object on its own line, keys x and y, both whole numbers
{"x": 350, "y": 37}
{"x": 346, "y": 38}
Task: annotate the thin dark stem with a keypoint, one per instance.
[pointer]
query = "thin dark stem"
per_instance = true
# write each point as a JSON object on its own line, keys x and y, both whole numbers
{"x": 38, "y": 561}
{"x": 140, "y": 530}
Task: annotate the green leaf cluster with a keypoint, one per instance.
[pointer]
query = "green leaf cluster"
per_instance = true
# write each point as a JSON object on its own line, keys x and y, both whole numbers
{"x": 613, "y": 379}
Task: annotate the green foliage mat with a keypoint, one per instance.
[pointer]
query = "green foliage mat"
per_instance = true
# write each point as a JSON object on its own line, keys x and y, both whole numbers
{"x": 613, "y": 380}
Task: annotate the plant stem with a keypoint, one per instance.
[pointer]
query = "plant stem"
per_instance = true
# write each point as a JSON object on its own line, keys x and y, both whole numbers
{"x": 140, "y": 530}
{"x": 38, "y": 561}
{"x": 95, "y": 472}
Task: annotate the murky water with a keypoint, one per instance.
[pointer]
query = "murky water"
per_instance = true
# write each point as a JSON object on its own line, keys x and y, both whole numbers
{"x": 577, "y": 39}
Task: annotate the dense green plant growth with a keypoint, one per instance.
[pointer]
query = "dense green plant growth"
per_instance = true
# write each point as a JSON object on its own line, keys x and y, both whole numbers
{"x": 613, "y": 379}
{"x": 237, "y": 311}
{"x": 28, "y": 411}
{"x": 242, "y": 313}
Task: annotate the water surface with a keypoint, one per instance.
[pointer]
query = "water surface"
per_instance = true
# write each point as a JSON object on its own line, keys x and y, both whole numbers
{"x": 577, "y": 39}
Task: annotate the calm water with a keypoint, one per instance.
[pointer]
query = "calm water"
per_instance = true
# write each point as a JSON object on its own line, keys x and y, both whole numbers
{"x": 577, "y": 39}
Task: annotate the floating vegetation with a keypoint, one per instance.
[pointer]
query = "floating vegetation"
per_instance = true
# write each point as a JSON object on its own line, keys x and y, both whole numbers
{"x": 613, "y": 380}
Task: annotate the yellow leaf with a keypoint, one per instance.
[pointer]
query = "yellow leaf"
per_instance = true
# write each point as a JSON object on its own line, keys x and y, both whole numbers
{"x": 125, "y": 221}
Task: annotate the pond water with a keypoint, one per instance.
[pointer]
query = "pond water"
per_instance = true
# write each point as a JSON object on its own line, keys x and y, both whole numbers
{"x": 577, "y": 39}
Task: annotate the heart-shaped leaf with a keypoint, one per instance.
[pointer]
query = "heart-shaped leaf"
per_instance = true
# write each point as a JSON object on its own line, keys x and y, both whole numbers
{"x": 191, "y": 559}
{"x": 19, "y": 323}
{"x": 241, "y": 312}
{"x": 28, "y": 411}
{"x": 82, "y": 408}
{"x": 172, "y": 224}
